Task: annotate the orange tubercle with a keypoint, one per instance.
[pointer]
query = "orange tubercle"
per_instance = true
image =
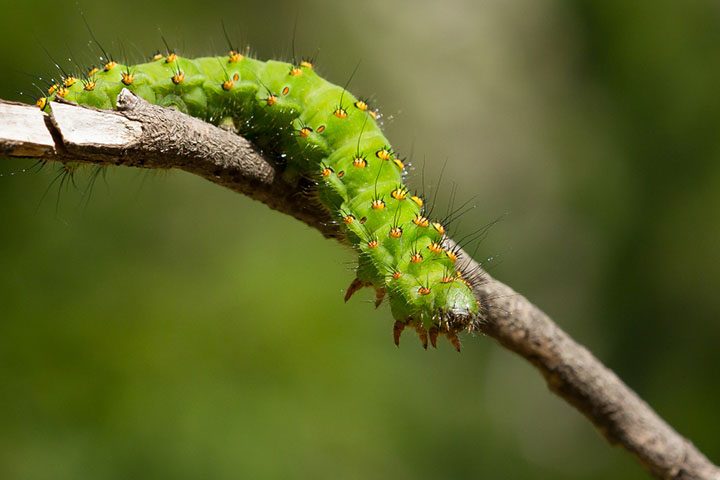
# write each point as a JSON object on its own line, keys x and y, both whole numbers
{"x": 421, "y": 221}
{"x": 178, "y": 78}
{"x": 359, "y": 162}
{"x": 435, "y": 247}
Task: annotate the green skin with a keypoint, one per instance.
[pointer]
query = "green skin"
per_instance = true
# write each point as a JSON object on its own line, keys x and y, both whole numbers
{"x": 270, "y": 103}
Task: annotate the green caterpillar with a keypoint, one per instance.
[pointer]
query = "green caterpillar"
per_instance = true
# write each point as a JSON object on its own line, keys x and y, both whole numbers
{"x": 315, "y": 129}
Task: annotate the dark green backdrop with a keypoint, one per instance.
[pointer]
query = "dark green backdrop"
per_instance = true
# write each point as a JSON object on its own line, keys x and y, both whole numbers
{"x": 167, "y": 328}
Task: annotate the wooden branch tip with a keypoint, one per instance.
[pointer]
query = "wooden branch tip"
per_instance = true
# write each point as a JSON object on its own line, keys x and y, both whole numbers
{"x": 140, "y": 134}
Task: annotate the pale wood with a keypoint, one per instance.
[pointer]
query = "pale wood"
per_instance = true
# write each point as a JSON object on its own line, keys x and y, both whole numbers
{"x": 23, "y": 132}
{"x": 81, "y": 127}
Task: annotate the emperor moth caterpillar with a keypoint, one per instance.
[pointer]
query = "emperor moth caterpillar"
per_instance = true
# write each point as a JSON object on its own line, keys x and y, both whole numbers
{"x": 315, "y": 129}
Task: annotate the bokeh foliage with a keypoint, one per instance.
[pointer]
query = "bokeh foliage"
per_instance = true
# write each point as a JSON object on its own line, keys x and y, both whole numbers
{"x": 166, "y": 328}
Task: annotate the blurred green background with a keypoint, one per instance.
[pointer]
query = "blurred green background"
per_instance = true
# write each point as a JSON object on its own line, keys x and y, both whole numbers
{"x": 167, "y": 328}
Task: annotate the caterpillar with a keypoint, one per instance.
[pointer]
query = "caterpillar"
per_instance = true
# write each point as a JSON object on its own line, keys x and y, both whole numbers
{"x": 318, "y": 130}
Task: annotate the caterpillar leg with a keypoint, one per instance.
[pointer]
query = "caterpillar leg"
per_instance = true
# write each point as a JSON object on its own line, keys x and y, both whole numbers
{"x": 398, "y": 328}
{"x": 379, "y": 296}
{"x": 451, "y": 335}
{"x": 434, "y": 332}
{"x": 356, "y": 285}
{"x": 422, "y": 333}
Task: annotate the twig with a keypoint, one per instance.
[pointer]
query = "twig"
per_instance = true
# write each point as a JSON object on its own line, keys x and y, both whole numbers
{"x": 145, "y": 135}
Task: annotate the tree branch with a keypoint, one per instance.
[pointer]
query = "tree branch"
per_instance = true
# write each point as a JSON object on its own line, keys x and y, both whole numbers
{"x": 143, "y": 135}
